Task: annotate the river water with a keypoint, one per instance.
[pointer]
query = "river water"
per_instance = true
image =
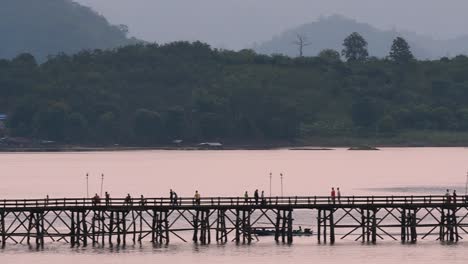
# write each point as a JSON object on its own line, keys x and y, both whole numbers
{"x": 230, "y": 173}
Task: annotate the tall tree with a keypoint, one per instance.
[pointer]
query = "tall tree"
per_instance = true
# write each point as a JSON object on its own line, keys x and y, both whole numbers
{"x": 400, "y": 51}
{"x": 301, "y": 42}
{"x": 355, "y": 48}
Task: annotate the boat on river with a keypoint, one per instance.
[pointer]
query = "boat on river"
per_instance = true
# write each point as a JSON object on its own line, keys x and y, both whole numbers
{"x": 271, "y": 232}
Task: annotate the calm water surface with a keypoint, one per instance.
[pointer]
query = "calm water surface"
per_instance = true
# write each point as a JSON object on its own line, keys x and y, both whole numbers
{"x": 230, "y": 173}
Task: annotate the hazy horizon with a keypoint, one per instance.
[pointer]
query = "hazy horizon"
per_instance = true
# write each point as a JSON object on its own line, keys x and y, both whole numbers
{"x": 238, "y": 24}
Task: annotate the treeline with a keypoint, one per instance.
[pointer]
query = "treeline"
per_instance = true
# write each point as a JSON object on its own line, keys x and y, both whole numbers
{"x": 153, "y": 94}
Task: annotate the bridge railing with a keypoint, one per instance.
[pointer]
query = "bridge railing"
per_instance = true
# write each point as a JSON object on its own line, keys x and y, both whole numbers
{"x": 235, "y": 201}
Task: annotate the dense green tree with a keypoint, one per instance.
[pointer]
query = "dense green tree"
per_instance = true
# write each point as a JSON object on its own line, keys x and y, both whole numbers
{"x": 364, "y": 112}
{"x": 400, "y": 51}
{"x": 148, "y": 126}
{"x": 50, "y": 122}
{"x": 355, "y": 48}
{"x": 330, "y": 55}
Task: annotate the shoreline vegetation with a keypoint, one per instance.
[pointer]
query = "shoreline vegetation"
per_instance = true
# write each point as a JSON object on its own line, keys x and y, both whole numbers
{"x": 405, "y": 140}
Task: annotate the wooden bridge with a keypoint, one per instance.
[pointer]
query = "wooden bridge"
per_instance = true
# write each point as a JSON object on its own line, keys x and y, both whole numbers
{"x": 85, "y": 221}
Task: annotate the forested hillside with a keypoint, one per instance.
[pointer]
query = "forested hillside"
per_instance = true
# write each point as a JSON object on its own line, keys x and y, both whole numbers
{"x": 153, "y": 94}
{"x": 48, "y": 27}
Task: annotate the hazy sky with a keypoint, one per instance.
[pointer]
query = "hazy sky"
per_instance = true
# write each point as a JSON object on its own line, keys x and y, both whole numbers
{"x": 239, "y": 23}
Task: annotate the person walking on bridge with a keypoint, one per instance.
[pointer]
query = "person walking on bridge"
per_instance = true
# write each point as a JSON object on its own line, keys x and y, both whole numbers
{"x": 338, "y": 194}
{"x": 455, "y": 196}
{"x": 171, "y": 197}
{"x": 197, "y": 198}
{"x": 128, "y": 200}
{"x": 256, "y": 196}
{"x": 176, "y": 199}
{"x": 333, "y": 194}
{"x": 107, "y": 199}
{"x": 447, "y": 196}
{"x": 246, "y": 197}
{"x": 263, "y": 198}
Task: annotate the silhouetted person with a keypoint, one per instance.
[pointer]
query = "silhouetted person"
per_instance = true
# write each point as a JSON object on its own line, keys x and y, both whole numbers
{"x": 333, "y": 194}
{"x": 197, "y": 198}
{"x": 176, "y": 199}
{"x": 447, "y": 196}
{"x": 455, "y": 196}
{"x": 338, "y": 194}
{"x": 246, "y": 197}
{"x": 142, "y": 200}
{"x": 256, "y": 196}
{"x": 96, "y": 199}
{"x": 263, "y": 198}
{"x": 171, "y": 197}
{"x": 107, "y": 199}
{"x": 128, "y": 200}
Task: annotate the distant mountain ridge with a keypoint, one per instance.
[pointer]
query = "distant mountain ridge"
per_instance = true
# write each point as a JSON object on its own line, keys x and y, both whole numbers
{"x": 329, "y": 33}
{"x": 48, "y": 27}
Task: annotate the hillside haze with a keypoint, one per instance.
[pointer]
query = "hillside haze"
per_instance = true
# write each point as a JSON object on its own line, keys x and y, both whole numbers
{"x": 329, "y": 33}
{"x": 48, "y": 27}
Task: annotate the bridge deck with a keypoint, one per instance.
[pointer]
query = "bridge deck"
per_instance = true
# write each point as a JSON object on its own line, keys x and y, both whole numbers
{"x": 294, "y": 202}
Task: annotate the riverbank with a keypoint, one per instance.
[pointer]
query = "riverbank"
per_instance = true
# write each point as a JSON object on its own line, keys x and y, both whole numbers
{"x": 405, "y": 139}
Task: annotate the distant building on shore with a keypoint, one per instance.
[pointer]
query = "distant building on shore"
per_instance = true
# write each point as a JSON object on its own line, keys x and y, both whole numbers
{"x": 210, "y": 145}
{"x": 3, "y": 118}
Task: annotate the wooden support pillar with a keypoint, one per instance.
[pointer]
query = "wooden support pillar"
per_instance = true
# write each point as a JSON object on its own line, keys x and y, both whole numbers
{"x": 374, "y": 226}
{"x": 413, "y": 230}
{"x": 39, "y": 226}
{"x": 363, "y": 225}
{"x": 102, "y": 227}
{"x": 72, "y": 230}
{"x": 442, "y": 226}
{"x": 3, "y": 228}
{"x": 30, "y": 226}
{"x": 153, "y": 226}
{"x": 283, "y": 227}
{"x": 324, "y": 224}
{"x": 140, "y": 234}
{"x": 248, "y": 227}
{"x": 319, "y": 225}
{"x": 195, "y": 226}
{"x": 238, "y": 226}
{"x": 368, "y": 225}
{"x": 277, "y": 226}
{"x": 221, "y": 232}
{"x": 166, "y": 226}
{"x": 93, "y": 227}
{"x": 124, "y": 228}
{"x": 332, "y": 227}
{"x": 78, "y": 229}
{"x": 134, "y": 221}
{"x": 117, "y": 225}
{"x": 403, "y": 225}
{"x": 111, "y": 227}
{"x": 85, "y": 229}
{"x": 290, "y": 227}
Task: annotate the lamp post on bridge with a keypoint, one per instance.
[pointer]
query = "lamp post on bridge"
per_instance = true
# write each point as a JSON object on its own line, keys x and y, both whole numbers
{"x": 466, "y": 184}
{"x": 281, "y": 176}
{"x": 271, "y": 175}
{"x": 87, "y": 185}
{"x": 102, "y": 183}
